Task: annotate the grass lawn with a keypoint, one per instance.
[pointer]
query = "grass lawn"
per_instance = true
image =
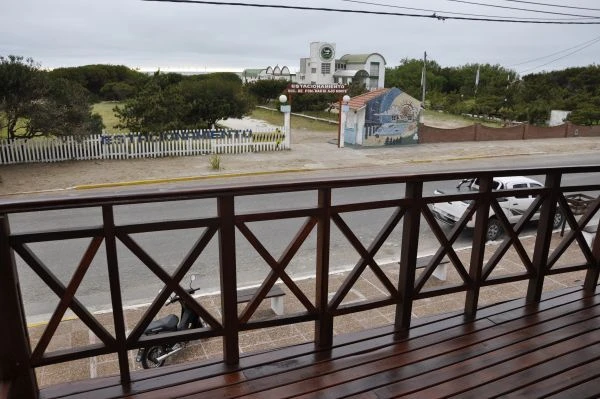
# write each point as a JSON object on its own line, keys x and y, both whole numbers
{"x": 105, "y": 109}
{"x": 444, "y": 117}
{"x": 276, "y": 118}
{"x": 4, "y": 131}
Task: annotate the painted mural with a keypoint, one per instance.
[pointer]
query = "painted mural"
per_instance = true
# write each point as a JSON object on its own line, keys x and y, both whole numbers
{"x": 391, "y": 119}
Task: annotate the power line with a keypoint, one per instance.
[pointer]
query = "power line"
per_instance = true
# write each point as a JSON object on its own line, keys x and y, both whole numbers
{"x": 558, "y": 52}
{"x": 433, "y": 16}
{"x": 458, "y": 13}
{"x": 553, "y": 5}
{"x": 560, "y": 58}
{"x": 521, "y": 9}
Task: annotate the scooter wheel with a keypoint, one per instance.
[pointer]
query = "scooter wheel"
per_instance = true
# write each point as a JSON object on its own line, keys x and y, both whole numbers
{"x": 151, "y": 354}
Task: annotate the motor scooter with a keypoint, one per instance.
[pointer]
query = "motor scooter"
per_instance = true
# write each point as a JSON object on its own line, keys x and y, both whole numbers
{"x": 155, "y": 356}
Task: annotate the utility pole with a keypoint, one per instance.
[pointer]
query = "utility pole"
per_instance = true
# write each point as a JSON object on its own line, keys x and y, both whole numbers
{"x": 424, "y": 78}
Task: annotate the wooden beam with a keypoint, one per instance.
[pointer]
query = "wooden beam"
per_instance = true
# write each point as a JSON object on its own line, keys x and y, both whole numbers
{"x": 15, "y": 367}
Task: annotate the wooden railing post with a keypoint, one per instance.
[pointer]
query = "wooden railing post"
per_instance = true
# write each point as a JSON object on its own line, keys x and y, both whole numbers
{"x": 227, "y": 264}
{"x": 324, "y": 325}
{"x": 543, "y": 238}
{"x": 15, "y": 350}
{"x": 408, "y": 256}
{"x": 115, "y": 292}
{"x": 478, "y": 251}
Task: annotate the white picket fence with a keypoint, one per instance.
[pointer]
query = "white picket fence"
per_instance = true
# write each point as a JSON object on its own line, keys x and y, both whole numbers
{"x": 127, "y": 146}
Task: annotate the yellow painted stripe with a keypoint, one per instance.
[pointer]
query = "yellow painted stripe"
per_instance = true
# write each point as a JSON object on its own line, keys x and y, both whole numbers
{"x": 182, "y": 179}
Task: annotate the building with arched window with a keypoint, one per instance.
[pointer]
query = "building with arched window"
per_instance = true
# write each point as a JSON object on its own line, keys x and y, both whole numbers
{"x": 268, "y": 73}
{"x": 323, "y": 68}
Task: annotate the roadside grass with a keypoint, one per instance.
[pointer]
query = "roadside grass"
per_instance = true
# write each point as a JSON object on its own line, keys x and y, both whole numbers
{"x": 4, "y": 130}
{"x": 105, "y": 109}
{"x": 276, "y": 118}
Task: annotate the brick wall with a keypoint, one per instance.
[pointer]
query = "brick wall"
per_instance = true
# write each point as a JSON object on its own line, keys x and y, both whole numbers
{"x": 428, "y": 134}
{"x": 540, "y": 132}
{"x": 477, "y": 132}
{"x": 584, "y": 131}
{"x": 485, "y": 133}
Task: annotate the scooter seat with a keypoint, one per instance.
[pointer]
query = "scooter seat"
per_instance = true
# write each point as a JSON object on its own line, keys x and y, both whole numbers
{"x": 168, "y": 323}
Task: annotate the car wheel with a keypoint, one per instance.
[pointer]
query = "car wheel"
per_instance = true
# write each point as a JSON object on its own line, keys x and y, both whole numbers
{"x": 558, "y": 219}
{"x": 494, "y": 230}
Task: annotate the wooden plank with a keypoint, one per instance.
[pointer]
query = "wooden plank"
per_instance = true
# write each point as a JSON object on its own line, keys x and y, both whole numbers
{"x": 460, "y": 377}
{"x": 540, "y": 379}
{"x": 437, "y": 338}
{"x": 374, "y": 372}
{"x": 257, "y": 365}
{"x": 583, "y": 380}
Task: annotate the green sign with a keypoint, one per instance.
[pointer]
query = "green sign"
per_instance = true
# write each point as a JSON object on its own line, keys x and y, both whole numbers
{"x": 327, "y": 52}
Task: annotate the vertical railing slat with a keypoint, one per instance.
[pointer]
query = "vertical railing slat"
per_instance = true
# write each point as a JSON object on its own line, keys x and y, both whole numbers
{"x": 227, "y": 264}
{"x": 15, "y": 350}
{"x": 324, "y": 325}
{"x": 544, "y": 237}
{"x": 115, "y": 292}
{"x": 408, "y": 255}
{"x": 478, "y": 250}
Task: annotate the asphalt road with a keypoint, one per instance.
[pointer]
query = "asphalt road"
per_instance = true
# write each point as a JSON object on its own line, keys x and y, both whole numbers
{"x": 169, "y": 248}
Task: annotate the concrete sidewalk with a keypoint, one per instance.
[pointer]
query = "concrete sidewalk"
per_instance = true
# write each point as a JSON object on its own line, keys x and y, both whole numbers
{"x": 326, "y": 159}
{"x": 315, "y": 155}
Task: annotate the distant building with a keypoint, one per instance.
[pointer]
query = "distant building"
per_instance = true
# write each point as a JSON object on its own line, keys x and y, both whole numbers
{"x": 323, "y": 68}
{"x": 268, "y": 73}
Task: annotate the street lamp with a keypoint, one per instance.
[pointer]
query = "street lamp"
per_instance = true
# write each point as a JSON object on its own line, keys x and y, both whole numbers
{"x": 287, "y": 129}
{"x": 344, "y": 107}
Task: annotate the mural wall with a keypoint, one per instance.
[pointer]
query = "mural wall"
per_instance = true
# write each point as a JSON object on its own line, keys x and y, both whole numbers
{"x": 390, "y": 119}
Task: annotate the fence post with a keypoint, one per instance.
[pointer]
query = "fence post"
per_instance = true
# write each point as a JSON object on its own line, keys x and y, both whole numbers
{"x": 408, "y": 258}
{"x": 227, "y": 264}
{"x": 324, "y": 325}
{"x": 543, "y": 238}
{"x": 15, "y": 350}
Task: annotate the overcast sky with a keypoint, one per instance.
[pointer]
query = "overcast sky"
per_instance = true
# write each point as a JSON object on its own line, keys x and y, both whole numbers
{"x": 177, "y": 36}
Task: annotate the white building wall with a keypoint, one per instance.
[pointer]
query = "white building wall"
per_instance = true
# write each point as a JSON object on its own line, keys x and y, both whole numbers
{"x": 313, "y": 65}
{"x": 319, "y": 70}
{"x": 355, "y": 122}
{"x": 376, "y": 59}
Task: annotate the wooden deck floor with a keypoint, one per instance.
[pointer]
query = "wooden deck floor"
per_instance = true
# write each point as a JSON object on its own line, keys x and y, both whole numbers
{"x": 511, "y": 350}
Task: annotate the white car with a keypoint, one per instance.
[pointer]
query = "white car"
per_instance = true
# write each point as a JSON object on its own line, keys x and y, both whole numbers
{"x": 513, "y": 207}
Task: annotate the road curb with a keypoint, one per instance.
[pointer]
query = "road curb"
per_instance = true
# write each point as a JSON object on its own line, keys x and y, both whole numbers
{"x": 182, "y": 179}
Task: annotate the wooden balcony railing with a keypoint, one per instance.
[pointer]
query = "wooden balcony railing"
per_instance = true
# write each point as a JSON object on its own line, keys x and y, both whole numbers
{"x": 409, "y": 212}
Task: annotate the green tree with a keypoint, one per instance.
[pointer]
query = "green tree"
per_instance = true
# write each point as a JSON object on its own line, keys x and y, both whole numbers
{"x": 156, "y": 108}
{"x": 106, "y": 82}
{"x": 34, "y": 104}
{"x": 313, "y": 102}
{"x": 21, "y": 84}
{"x": 356, "y": 88}
{"x": 169, "y": 102}
{"x": 117, "y": 91}
{"x": 65, "y": 110}
{"x": 265, "y": 90}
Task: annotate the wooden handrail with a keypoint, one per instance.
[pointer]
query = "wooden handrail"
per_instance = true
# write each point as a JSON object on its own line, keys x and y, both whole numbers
{"x": 408, "y": 210}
